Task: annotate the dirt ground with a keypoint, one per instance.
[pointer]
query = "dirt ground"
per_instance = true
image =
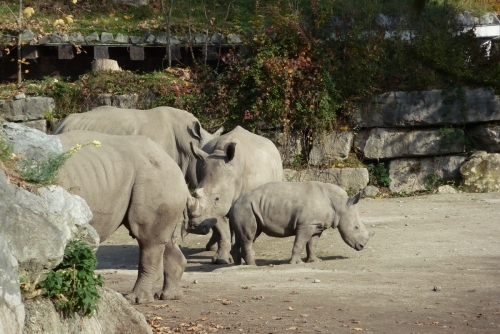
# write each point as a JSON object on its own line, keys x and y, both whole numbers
{"x": 433, "y": 266}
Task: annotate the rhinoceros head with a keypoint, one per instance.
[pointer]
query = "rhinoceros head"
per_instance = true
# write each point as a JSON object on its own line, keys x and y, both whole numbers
{"x": 186, "y": 159}
{"x": 216, "y": 188}
{"x": 351, "y": 229}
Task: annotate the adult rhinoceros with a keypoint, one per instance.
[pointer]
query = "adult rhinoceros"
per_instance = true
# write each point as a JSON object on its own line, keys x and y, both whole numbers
{"x": 174, "y": 129}
{"x": 302, "y": 209}
{"x": 130, "y": 180}
{"x": 228, "y": 167}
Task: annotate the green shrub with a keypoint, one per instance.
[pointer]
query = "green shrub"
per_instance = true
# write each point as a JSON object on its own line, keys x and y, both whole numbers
{"x": 45, "y": 172}
{"x": 5, "y": 150}
{"x": 72, "y": 285}
{"x": 378, "y": 175}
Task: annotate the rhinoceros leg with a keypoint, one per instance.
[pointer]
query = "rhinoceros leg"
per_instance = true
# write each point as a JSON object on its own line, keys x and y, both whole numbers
{"x": 302, "y": 236}
{"x": 154, "y": 231}
{"x": 212, "y": 243}
{"x": 311, "y": 249}
{"x": 223, "y": 256}
{"x": 150, "y": 269}
{"x": 174, "y": 264}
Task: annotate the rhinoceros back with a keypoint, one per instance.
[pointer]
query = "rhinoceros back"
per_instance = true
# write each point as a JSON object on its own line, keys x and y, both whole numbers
{"x": 107, "y": 177}
{"x": 262, "y": 159}
{"x": 161, "y": 124}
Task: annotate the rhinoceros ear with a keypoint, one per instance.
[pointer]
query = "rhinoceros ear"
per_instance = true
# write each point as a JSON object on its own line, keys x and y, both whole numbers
{"x": 354, "y": 199}
{"x": 196, "y": 130}
{"x": 230, "y": 150}
{"x": 198, "y": 153}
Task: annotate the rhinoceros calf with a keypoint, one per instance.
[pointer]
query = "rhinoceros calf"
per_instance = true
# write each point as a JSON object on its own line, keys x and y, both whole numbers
{"x": 302, "y": 209}
{"x": 174, "y": 129}
{"x": 229, "y": 166}
{"x": 130, "y": 180}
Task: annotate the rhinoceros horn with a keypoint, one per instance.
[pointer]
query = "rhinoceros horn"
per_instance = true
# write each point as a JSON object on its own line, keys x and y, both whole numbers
{"x": 193, "y": 204}
{"x": 198, "y": 153}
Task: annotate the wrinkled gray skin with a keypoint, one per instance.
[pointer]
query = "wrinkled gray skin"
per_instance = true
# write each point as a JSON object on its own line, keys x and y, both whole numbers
{"x": 228, "y": 167}
{"x": 302, "y": 209}
{"x": 172, "y": 128}
{"x": 130, "y": 180}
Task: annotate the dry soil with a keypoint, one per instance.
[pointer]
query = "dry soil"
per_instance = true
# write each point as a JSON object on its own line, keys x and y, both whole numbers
{"x": 433, "y": 266}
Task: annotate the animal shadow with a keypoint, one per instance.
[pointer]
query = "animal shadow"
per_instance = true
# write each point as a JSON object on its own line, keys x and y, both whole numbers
{"x": 118, "y": 257}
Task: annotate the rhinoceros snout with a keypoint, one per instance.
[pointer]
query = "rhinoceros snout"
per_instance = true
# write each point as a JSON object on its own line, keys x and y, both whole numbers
{"x": 360, "y": 247}
{"x": 202, "y": 228}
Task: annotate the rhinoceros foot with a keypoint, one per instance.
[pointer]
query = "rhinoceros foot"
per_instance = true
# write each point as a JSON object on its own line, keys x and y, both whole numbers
{"x": 139, "y": 298}
{"x": 296, "y": 261}
{"x": 170, "y": 294}
{"x": 313, "y": 259}
{"x": 222, "y": 260}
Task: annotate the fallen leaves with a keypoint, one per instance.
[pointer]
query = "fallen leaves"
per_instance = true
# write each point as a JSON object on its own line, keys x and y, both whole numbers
{"x": 185, "y": 327}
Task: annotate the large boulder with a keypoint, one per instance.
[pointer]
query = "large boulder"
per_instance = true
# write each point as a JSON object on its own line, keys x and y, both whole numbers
{"x": 348, "y": 178}
{"x": 411, "y": 175}
{"x": 380, "y": 143}
{"x": 482, "y": 172}
{"x": 37, "y": 227}
{"x": 485, "y": 137}
{"x": 434, "y": 107}
{"x": 11, "y": 306}
{"x": 331, "y": 147}
{"x": 114, "y": 315}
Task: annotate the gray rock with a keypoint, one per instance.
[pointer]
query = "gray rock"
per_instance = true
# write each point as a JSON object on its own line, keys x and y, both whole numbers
{"x": 234, "y": 39}
{"x": 411, "y": 175}
{"x": 129, "y": 101}
{"x": 290, "y": 145}
{"x": 370, "y": 191}
{"x": 485, "y": 137}
{"x": 107, "y": 38}
{"x": 482, "y": 172}
{"x": 55, "y": 215}
{"x": 217, "y": 38}
{"x": 132, "y": 2}
{"x": 135, "y": 39}
{"x": 58, "y": 38}
{"x": 381, "y": 143}
{"x": 435, "y": 107}
{"x": 76, "y": 38}
{"x": 148, "y": 38}
{"x": 30, "y": 143}
{"x": 115, "y": 315}
{"x": 27, "y": 36}
{"x": 121, "y": 38}
{"x": 330, "y": 147}
{"x": 30, "y": 108}
{"x": 11, "y": 307}
{"x": 92, "y": 38}
{"x": 348, "y": 178}
{"x": 446, "y": 189}
{"x": 200, "y": 39}
{"x": 40, "y": 125}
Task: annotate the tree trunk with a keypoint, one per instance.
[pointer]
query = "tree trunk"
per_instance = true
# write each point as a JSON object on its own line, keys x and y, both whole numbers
{"x": 105, "y": 65}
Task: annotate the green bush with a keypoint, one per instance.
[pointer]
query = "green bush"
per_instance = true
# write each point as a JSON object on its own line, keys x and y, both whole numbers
{"x": 5, "y": 150}
{"x": 378, "y": 175}
{"x": 72, "y": 285}
{"x": 45, "y": 172}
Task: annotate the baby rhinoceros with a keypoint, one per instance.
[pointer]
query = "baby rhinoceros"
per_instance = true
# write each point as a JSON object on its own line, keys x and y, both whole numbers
{"x": 303, "y": 209}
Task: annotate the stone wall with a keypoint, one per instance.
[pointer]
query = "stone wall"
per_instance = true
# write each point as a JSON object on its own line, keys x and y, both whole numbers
{"x": 421, "y": 137}
{"x": 426, "y": 135}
